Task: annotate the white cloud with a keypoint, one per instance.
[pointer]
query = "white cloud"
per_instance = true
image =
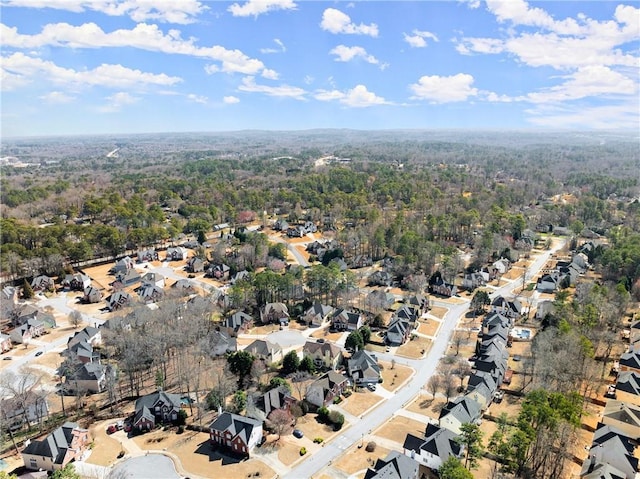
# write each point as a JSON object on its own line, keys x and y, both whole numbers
{"x": 418, "y": 38}
{"x": 358, "y": 97}
{"x": 308, "y": 79}
{"x": 56, "y": 98}
{"x": 561, "y": 44}
{"x": 592, "y": 81}
{"x": 197, "y": 98}
{"x": 444, "y": 89}
{"x": 278, "y": 42}
{"x": 575, "y": 116}
{"x": 143, "y": 36}
{"x": 258, "y": 7}
{"x": 181, "y": 12}
{"x": 473, "y": 4}
{"x": 346, "y": 54}
{"x": 22, "y": 69}
{"x": 335, "y": 21}
{"x": 270, "y": 74}
{"x": 249, "y": 85}
{"x": 117, "y": 101}
{"x": 230, "y": 100}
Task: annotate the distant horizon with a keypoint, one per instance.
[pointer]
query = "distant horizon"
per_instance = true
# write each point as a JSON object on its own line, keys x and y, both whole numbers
{"x": 94, "y": 68}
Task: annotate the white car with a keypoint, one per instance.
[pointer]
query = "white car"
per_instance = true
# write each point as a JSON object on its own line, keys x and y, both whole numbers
{"x": 371, "y": 387}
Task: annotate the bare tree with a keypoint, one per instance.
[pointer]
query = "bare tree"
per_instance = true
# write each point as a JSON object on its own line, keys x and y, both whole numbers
{"x": 280, "y": 420}
{"x": 300, "y": 380}
{"x": 23, "y": 388}
{"x": 434, "y": 384}
{"x": 462, "y": 370}
{"x": 75, "y": 318}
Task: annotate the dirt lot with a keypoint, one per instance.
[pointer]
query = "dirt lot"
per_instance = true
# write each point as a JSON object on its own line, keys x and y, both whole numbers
{"x": 393, "y": 379}
{"x": 438, "y": 311}
{"x": 397, "y": 428}
{"x": 106, "y": 448}
{"x": 427, "y": 406}
{"x": 360, "y": 402}
{"x": 357, "y": 459}
{"x": 415, "y": 348}
{"x": 429, "y": 328}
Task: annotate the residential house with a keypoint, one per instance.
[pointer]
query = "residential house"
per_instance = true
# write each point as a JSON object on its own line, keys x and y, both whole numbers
{"x": 343, "y": 320}
{"x": 341, "y": 263}
{"x": 501, "y": 266}
{"x": 624, "y": 416}
{"x": 363, "y": 368}
{"x": 90, "y": 377}
{"x": 81, "y": 351}
{"x": 43, "y": 283}
{"x": 548, "y": 283}
{"x": 379, "y": 299}
{"x": 275, "y": 313}
{"x": 126, "y": 278}
{"x": 395, "y": 466}
{"x": 408, "y": 313}
{"x": 243, "y": 275}
{"x": 238, "y": 323}
{"x": 177, "y": 253}
{"x": 92, "y": 295}
{"x": 471, "y": 281}
{"x": 510, "y": 309}
{"x": 437, "y": 285}
{"x": 195, "y": 265}
{"x": 436, "y": 447}
{"x": 317, "y": 314}
{"x": 147, "y": 255}
{"x": 76, "y": 282}
{"x": 268, "y": 352}
{"x": 398, "y": 331}
{"x": 15, "y": 413}
{"x": 21, "y": 334}
{"x": 543, "y": 309}
{"x": 459, "y": 411}
{"x": 481, "y": 387}
{"x": 524, "y": 243}
{"x": 8, "y": 301}
{"x": 280, "y": 225}
{"x": 418, "y": 302}
{"x": 260, "y": 406}
{"x": 238, "y": 433}
{"x": 218, "y": 271}
{"x": 323, "y": 390}
{"x": 221, "y": 343}
{"x": 118, "y": 300}
{"x": 122, "y": 265}
{"x": 89, "y": 334}
{"x": 297, "y": 231}
{"x": 611, "y": 452}
{"x": 64, "y": 445}
{"x": 184, "y": 286}
{"x": 627, "y": 387}
{"x": 361, "y": 261}
{"x": 630, "y": 361}
{"x": 380, "y": 278}
{"x": 155, "y": 279}
{"x": 325, "y": 355}
{"x": 5, "y": 343}
{"x": 155, "y": 408}
{"x": 150, "y": 293}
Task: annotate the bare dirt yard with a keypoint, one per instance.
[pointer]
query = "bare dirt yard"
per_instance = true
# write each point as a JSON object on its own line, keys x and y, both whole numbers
{"x": 360, "y": 401}
{"x": 426, "y": 405}
{"x": 415, "y": 348}
{"x": 438, "y": 311}
{"x": 397, "y": 428}
{"x": 429, "y": 327}
{"x": 357, "y": 459}
{"x": 394, "y": 376}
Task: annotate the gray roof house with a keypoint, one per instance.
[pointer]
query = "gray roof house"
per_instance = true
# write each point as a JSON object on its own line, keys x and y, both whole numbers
{"x": 322, "y": 391}
{"x": 363, "y": 368}
{"x": 395, "y": 466}
{"x": 343, "y": 320}
{"x": 238, "y": 323}
{"x": 238, "y": 433}
{"x": 275, "y": 313}
{"x": 161, "y": 406}
{"x": 325, "y": 355}
{"x": 436, "y": 447}
{"x": 317, "y": 314}
{"x": 63, "y": 445}
{"x": 460, "y": 411}
{"x": 259, "y": 407}
{"x": 610, "y": 447}
{"x": 269, "y": 352}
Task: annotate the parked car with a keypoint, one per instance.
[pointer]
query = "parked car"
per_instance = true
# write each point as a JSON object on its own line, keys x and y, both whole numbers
{"x": 111, "y": 429}
{"x": 371, "y": 387}
{"x": 7, "y": 358}
{"x": 298, "y": 433}
{"x": 38, "y": 353}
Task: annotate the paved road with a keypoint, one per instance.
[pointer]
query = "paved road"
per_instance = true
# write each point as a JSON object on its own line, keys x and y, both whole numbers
{"x": 425, "y": 368}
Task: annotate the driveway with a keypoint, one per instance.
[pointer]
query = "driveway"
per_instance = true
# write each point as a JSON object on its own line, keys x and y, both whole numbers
{"x": 154, "y": 466}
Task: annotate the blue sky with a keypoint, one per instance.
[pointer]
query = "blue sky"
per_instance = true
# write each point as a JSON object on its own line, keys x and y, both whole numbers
{"x": 133, "y": 66}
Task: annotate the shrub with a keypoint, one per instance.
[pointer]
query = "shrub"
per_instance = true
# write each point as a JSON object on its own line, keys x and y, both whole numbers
{"x": 337, "y": 419}
{"x": 323, "y": 414}
{"x": 180, "y": 430}
{"x": 337, "y": 400}
{"x": 371, "y": 446}
{"x": 303, "y": 451}
{"x": 318, "y": 440}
